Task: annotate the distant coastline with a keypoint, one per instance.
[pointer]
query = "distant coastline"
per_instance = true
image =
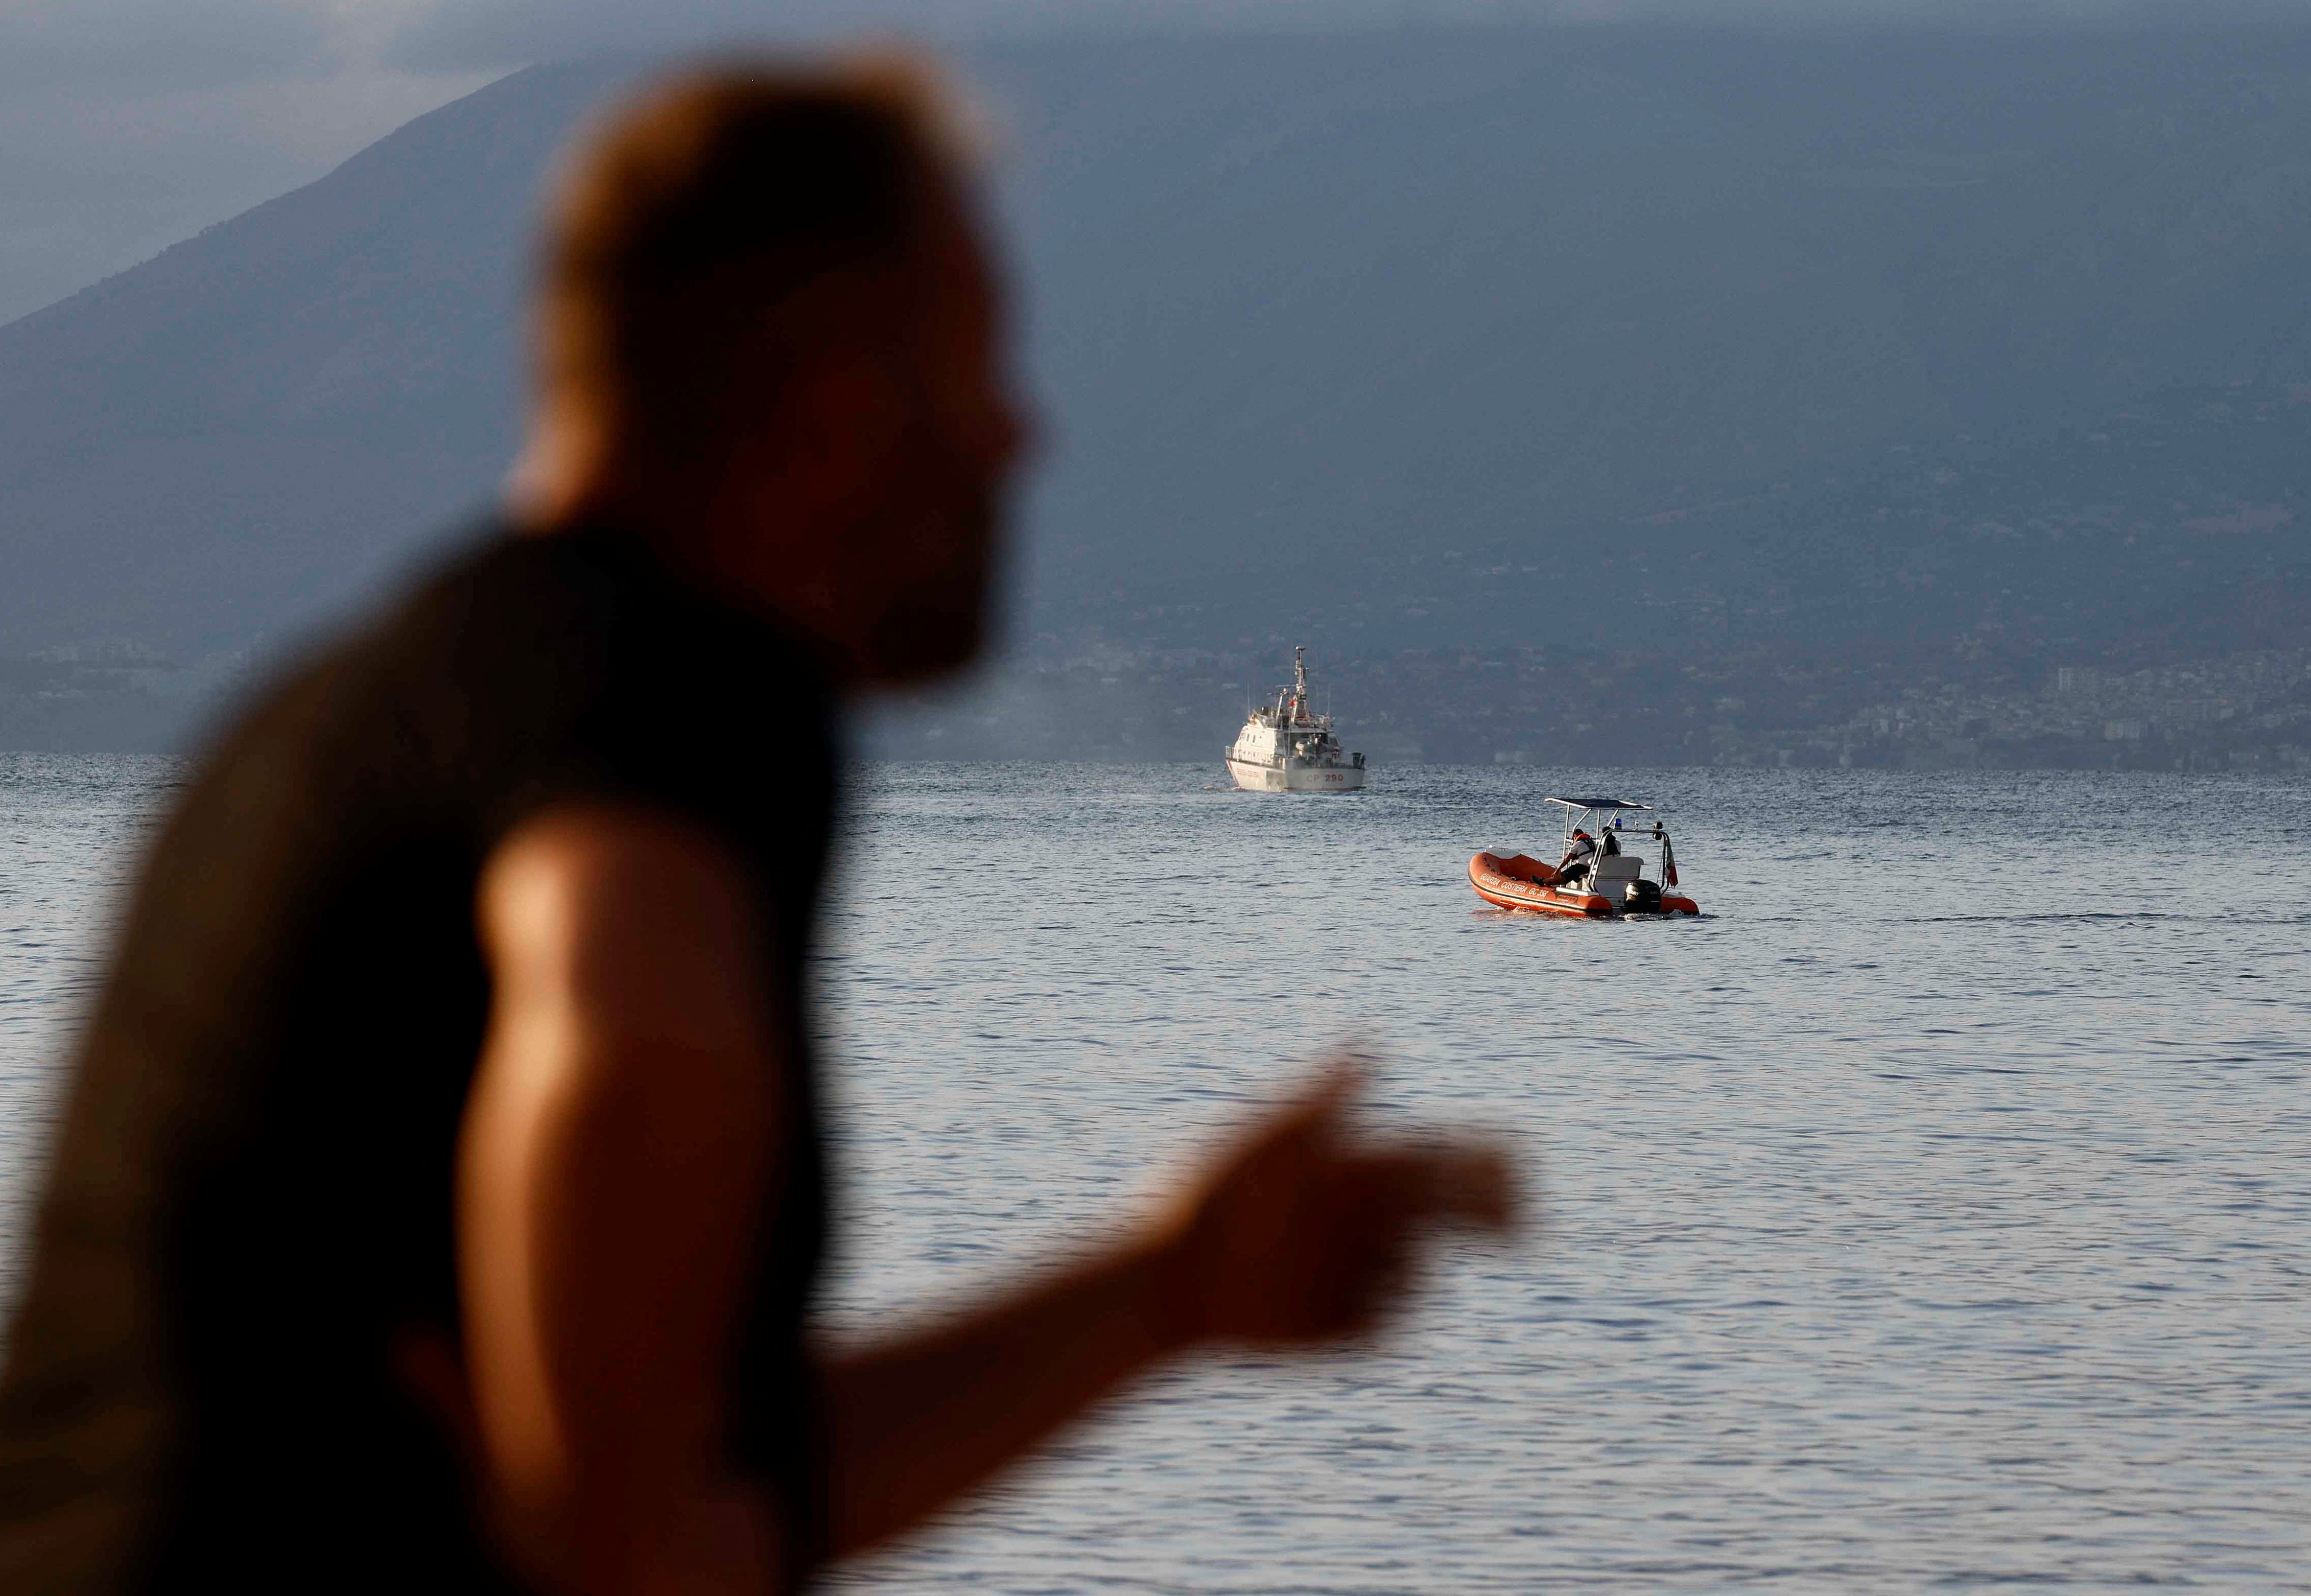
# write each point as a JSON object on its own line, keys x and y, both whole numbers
{"x": 1897, "y": 709}
{"x": 1922, "y": 707}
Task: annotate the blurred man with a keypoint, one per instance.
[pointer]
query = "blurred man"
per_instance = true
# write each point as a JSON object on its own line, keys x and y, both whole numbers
{"x": 439, "y": 1197}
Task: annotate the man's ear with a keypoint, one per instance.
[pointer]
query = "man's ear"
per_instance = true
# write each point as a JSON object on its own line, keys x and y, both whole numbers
{"x": 840, "y": 420}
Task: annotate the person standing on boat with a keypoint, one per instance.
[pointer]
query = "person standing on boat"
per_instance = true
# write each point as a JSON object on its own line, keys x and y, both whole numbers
{"x": 1577, "y": 858}
{"x": 439, "y": 1195}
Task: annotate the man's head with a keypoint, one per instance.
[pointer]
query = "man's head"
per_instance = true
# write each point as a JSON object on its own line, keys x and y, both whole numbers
{"x": 768, "y": 341}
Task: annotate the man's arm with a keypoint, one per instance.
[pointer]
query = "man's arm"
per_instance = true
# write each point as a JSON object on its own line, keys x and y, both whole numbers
{"x": 1294, "y": 1235}
{"x": 620, "y": 1135}
{"x": 618, "y": 1141}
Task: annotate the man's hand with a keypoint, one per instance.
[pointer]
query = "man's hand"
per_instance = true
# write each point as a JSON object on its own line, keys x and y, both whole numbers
{"x": 1303, "y": 1233}
{"x": 1299, "y": 1235}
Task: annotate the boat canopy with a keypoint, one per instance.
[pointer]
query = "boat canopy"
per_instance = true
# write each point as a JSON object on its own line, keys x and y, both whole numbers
{"x": 1597, "y": 803}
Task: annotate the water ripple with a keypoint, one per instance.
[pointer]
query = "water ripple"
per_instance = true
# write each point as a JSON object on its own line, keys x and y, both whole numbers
{"x": 1931, "y": 1213}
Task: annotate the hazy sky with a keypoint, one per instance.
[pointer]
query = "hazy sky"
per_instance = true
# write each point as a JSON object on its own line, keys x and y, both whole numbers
{"x": 127, "y": 125}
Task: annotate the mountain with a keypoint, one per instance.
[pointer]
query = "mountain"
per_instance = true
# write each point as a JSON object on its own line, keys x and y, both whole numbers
{"x": 228, "y": 439}
{"x": 1346, "y": 306}
{"x": 2127, "y": 593}
{"x": 1417, "y": 339}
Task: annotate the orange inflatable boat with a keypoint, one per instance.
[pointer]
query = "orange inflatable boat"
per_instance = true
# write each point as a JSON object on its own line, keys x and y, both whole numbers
{"x": 1599, "y": 875}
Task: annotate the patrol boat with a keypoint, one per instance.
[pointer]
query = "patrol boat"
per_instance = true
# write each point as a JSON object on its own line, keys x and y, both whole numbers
{"x": 1286, "y": 747}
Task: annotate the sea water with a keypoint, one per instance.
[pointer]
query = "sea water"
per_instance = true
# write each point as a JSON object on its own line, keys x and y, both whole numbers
{"x": 1934, "y": 1210}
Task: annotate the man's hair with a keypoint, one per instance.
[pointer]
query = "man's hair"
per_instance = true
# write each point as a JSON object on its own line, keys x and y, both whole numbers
{"x": 692, "y": 231}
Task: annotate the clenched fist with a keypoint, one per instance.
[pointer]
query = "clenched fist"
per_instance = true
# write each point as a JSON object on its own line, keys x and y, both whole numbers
{"x": 1303, "y": 1231}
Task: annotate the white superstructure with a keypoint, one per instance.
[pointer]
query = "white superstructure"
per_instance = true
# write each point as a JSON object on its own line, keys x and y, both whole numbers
{"x": 1286, "y": 747}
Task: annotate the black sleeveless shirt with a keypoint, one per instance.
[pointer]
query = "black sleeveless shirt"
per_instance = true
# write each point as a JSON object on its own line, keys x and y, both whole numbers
{"x": 249, "y": 1212}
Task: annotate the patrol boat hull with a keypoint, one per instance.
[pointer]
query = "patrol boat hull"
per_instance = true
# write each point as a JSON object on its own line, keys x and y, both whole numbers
{"x": 1293, "y": 775}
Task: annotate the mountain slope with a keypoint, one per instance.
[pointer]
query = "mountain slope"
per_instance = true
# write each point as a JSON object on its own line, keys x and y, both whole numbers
{"x": 228, "y": 439}
{"x": 1311, "y": 315}
{"x": 1376, "y": 295}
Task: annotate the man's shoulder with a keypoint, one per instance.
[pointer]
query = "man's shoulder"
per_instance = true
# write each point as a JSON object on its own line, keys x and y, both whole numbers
{"x": 566, "y": 604}
{"x": 498, "y": 613}
{"x": 517, "y": 669}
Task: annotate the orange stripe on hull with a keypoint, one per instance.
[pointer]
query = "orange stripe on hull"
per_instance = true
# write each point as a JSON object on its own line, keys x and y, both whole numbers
{"x": 1523, "y": 883}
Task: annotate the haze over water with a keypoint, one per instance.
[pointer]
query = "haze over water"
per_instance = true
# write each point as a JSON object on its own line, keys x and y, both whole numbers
{"x": 1933, "y": 1211}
